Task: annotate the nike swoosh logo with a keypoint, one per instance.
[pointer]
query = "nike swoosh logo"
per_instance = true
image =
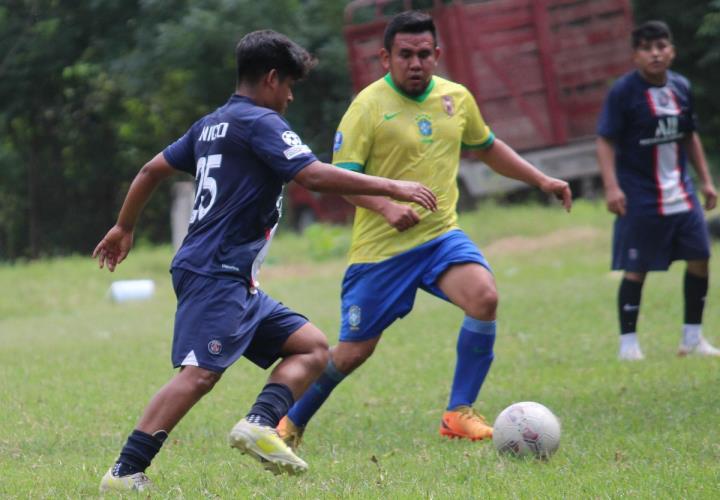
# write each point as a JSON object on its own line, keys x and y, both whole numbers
{"x": 390, "y": 116}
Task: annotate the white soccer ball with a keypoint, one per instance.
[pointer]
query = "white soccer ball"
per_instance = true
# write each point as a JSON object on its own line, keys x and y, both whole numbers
{"x": 527, "y": 429}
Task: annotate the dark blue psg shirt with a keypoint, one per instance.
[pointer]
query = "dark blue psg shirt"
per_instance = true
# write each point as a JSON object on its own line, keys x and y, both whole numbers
{"x": 240, "y": 155}
{"x": 648, "y": 125}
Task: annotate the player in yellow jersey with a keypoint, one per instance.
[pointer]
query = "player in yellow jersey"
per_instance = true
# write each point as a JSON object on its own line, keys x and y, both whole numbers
{"x": 412, "y": 125}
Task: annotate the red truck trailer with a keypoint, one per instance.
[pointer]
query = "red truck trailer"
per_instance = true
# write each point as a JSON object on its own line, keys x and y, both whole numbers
{"x": 539, "y": 70}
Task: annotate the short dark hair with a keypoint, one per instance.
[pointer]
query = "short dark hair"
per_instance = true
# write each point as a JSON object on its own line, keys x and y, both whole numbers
{"x": 410, "y": 21}
{"x": 260, "y": 51}
{"x": 649, "y": 31}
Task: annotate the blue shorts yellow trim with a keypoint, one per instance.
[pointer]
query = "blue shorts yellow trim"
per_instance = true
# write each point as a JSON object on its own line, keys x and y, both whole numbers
{"x": 375, "y": 295}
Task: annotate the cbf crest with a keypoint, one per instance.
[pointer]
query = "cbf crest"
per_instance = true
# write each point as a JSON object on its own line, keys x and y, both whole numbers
{"x": 424, "y": 124}
{"x": 354, "y": 317}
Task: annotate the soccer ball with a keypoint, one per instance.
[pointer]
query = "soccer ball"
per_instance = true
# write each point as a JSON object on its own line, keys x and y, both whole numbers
{"x": 527, "y": 429}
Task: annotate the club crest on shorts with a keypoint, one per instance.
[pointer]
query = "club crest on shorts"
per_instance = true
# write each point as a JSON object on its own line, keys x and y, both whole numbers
{"x": 448, "y": 105}
{"x": 354, "y": 317}
{"x": 215, "y": 347}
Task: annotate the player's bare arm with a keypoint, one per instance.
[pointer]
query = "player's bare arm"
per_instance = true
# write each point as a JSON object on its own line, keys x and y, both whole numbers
{"x": 326, "y": 178}
{"x": 399, "y": 216}
{"x": 505, "y": 161}
{"x": 614, "y": 196}
{"x": 116, "y": 244}
{"x": 696, "y": 153}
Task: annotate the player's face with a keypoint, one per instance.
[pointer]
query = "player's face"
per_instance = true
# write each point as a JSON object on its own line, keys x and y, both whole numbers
{"x": 411, "y": 61}
{"x": 653, "y": 58}
{"x": 281, "y": 95}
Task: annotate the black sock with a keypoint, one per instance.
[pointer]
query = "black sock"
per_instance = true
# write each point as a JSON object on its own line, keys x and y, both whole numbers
{"x": 695, "y": 290}
{"x": 138, "y": 452}
{"x": 271, "y": 405}
{"x": 629, "y": 296}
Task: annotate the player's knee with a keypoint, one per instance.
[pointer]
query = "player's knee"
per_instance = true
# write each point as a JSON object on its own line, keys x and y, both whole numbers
{"x": 319, "y": 354}
{"x": 346, "y": 360}
{"x": 484, "y": 305}
{"x": 202, "y": 381}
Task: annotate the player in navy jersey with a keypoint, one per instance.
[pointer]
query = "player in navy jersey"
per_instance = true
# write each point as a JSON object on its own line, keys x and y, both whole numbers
{"x": 646, "y": 134}
{"x": 240, "y": 155}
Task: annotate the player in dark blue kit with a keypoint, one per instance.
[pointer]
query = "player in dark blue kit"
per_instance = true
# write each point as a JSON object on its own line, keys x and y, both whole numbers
{"x": 646, "y": 134}
{"x": 240, "y": 155}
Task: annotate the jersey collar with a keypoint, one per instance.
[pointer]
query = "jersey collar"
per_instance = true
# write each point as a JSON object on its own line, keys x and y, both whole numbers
{"x": 419, "y": 98}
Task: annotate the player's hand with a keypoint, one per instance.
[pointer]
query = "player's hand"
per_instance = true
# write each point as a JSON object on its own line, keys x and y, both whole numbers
{"x": 113, "y": 248}
{"x": 401, "y": 217}
{"x": 710, "y": 195}
{"x": 615, "y": 201}
{"x": 560, "y": 189}
{"x": 415, "y": 192}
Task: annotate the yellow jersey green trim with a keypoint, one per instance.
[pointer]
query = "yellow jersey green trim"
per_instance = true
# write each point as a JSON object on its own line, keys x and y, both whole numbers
{"x": 489, "y": 142}
{"x": 419, "y": 98}
{"x": 349, "y": 165}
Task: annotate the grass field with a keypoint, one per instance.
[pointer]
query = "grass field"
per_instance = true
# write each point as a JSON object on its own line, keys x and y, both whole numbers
{"x": 76, "y": 371}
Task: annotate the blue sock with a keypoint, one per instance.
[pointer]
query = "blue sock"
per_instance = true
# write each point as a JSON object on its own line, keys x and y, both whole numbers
{"x": 310, "y": 402}
{"x": 474, "y": 357}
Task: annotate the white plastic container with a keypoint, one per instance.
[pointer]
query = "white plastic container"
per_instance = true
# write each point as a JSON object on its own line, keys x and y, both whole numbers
{"x": 122, "y": 291}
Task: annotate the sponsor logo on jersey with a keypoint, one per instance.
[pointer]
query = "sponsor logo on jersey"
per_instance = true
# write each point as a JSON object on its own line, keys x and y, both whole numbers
{"x": 448, "y": 105}
{"x": 354, "y": 317}
{"x": 215, "y": 347}
{"x": 337, "y": 143}
{"x": 212, "y": 132}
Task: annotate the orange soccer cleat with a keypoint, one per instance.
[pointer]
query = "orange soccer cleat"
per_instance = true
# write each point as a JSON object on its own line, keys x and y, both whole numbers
{"x": 465, "y": 422}
{"x": 290, "y": 433}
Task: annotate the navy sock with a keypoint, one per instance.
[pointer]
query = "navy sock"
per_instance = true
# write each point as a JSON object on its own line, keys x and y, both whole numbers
{"x": 138, "y": 452}
{"x": 310, "y": 402}
{"x": 474, "y": 357}
{"x": 271, "y": 405}
{"x": 695, "y": 290}
{"x": 629, "y": 296}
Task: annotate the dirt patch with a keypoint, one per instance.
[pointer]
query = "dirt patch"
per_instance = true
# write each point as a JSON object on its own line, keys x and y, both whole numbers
{"x": 524, "y": 244}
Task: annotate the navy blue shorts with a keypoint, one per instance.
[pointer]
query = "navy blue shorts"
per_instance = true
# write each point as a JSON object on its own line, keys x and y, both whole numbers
{"x": 219, "y": 320}
{"x": 653, "y": 242}
{"x": 375, "y": 295}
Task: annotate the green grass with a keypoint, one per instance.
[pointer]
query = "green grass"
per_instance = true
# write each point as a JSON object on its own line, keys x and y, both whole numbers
{"x": 76, "y": 371}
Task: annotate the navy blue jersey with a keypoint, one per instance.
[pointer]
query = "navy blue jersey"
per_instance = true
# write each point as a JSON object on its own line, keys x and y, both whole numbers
{"x": 648, "y": 125}
{"x": 240, "y": 155}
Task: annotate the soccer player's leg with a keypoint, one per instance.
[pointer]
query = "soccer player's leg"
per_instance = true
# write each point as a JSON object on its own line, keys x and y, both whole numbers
{"x": 460, "y": 273}
{"x": 304, "y": 352}
{"x": 373, "y": 296}
{"x": 693, "y": 245}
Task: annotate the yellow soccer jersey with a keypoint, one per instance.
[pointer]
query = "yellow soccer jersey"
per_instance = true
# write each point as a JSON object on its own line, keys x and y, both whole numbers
{"x": 389, "y": 134}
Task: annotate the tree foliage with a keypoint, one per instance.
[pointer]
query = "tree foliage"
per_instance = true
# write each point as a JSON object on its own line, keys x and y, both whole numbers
{"x": 91, "y": 90}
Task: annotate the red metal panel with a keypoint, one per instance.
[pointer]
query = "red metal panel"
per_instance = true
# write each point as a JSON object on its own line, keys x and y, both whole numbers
{"x": 539, "y": 69}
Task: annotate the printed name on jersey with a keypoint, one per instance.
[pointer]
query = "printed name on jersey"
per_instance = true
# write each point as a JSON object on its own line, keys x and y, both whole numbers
{"x": 212, "y": 132}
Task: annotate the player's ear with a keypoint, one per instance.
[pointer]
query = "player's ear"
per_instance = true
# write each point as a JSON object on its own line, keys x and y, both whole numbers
{"x": 438, "y": 53}
{"x": 272, "y": 78}
{"x": 385, "y": 59}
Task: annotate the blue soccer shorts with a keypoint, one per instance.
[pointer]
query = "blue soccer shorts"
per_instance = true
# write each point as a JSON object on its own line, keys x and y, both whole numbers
{"x": 375, "y": 295}
{"x": 219, "y": 320}
{"x": 653, "y": 242}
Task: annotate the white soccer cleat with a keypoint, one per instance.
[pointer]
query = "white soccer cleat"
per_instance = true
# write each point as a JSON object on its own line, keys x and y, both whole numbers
{"x": 630, "y": 353}
{"x": 263, "y": 444}
{"x": 702, "y": 348}
{"x": 133, "y": 482}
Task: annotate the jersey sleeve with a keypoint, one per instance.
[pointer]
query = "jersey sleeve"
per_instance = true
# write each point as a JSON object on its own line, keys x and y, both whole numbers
{"x": 476, "y": 134}
{"x": 692, "y": 112}
{"x": 610, "y": 122}
{"x": 274, "y": 142}
{"x": 354, "y": 137}
{"x": 181, "y": 154}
